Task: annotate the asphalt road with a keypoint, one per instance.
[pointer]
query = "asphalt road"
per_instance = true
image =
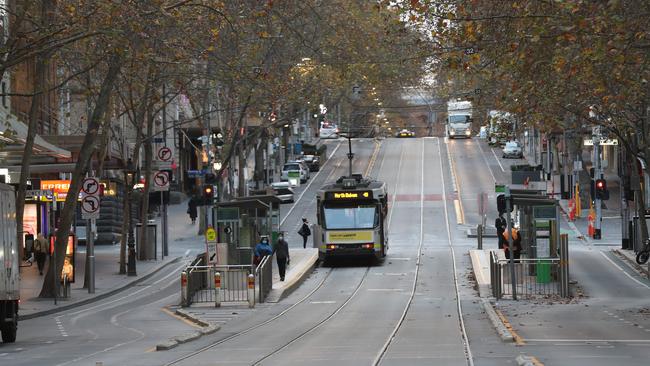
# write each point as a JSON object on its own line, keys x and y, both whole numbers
{"x": 418, "y": 307}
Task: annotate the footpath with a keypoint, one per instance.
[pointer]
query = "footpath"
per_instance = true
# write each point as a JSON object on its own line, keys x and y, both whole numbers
{"x": 108, "y": 281}
{"x": 577, "y": 231}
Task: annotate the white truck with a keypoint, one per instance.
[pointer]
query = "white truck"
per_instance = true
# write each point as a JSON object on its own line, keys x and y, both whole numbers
{"x": 9, "y": 274}
{"x": 459, "y": 119}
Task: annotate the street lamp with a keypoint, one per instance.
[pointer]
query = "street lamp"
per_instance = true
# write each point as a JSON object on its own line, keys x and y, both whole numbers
{"x": 129, "y": 178}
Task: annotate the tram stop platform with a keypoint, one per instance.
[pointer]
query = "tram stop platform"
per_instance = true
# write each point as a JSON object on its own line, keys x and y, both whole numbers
{"x": 301, "y": 263}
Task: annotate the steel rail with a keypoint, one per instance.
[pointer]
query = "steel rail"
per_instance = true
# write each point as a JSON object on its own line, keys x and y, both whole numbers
{"x": 281, "y": 314}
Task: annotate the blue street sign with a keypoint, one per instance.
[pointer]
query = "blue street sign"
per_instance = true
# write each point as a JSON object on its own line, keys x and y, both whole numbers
{"x": 196, "y": 173}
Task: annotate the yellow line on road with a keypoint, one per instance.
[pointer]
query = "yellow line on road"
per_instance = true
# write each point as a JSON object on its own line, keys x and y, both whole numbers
{"x": 458, "y": 204}
{"x": 373, "y": 158}
{"x": 184, "y": 320}
{"x": 518, "y": 340}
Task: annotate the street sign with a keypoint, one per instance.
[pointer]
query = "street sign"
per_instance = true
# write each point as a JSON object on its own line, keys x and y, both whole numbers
{"x": 499, "y": 188}
{"x": 210, "y": 234}
{"x": 160, "y": 181}
{"x": 90, "y": 207}
{"x": 164, "y": 154}
{"x": 90, "y": 186}
{"x": 211, "y": 244}
{"x": 196, "y": 173}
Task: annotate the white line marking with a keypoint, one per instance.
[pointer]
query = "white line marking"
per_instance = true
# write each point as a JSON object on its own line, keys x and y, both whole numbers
{"x": 486, "y": 162}
{"x": 497, "y": 159}
{"x": 322, "y": 302}
{"x": 582, "y": 341}
{"x": 624, "y": 272}
{"x": 386, "y": 289}
{"x": 187, "y": 252}
{"x": 311, "y": 180}
{"x": 400, "y": 259}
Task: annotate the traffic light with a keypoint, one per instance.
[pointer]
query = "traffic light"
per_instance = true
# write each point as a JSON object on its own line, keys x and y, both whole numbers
{"x": 501, "y": 204}
{"x": 601, "y": 189}
{"x": 208, "y": 194}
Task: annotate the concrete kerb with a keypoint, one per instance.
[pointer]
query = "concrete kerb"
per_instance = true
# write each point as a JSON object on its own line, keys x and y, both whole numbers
{"x": 98, "y": 297}
{"x": 188, "y": 337}
{"x": 631, "y": 262}
{"x": 277, "y": 294}
{"x": 523, "y": 360}
{"x": 501, "y": 329}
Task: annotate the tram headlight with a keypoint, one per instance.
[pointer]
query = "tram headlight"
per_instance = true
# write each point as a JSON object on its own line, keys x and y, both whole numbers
{"x": 331, "y": 246}
{"x": 368, "y": 246}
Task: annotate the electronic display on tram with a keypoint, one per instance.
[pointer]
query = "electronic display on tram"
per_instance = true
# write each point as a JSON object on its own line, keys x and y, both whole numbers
{"x": 349, "y": 195}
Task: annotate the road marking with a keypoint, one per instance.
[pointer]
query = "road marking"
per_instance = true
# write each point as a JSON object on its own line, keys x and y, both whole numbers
{"x": 181, "y": 318}
{"x": 460, "y": 217}
{"x": 458, "y": 204}
{"x": 400, "y": 259}
{"x": 311, "y": 180}
{"x": 60, "y": 326}
{"x": 386, "y": 289}
{"x": 518, "y": 340}
{"x": 498, "y": 161}
{"x": 486, "y": 162}
{"x": 322, "y": 302}
{"x": 624, "y": 272}
{"x": 373, "y": 158}
{"x": 588, "y": 341}
{"x": 187, "y": 252}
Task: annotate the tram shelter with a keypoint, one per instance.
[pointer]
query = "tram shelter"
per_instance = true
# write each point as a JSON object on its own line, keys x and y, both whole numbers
{"x": 241, "y": 223}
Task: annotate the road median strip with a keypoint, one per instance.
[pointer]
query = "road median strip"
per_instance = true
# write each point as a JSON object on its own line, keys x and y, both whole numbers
{"x": 503, "y": 331}
{"x": 206, "y": 328}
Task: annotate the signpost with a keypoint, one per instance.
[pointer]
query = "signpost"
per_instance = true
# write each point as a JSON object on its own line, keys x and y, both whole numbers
{"x": 211, "y": 244}
{"x": 90, "y": 204}
{"x": 160, "y": 181}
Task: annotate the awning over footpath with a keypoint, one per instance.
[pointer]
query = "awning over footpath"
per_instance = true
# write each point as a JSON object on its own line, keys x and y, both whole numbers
{"x": 13, "y": 134}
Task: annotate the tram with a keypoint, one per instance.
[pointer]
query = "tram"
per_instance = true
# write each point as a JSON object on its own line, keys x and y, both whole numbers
{"x": 351, "y": 219}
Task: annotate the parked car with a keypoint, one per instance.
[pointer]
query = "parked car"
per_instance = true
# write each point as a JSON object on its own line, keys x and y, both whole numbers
{"x": 406, "y": 133}
{"x": 313, "y": 162}
{"x": 512, "y": 149}
{"x": 294, "y": 166}
{"x": 305, "y": 166}
{"x": 283, "y": 191}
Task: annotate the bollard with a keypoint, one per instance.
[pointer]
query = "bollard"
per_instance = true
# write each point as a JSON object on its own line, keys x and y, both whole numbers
{"x": 479, "y": 236}
{"x": 217, "y": 289}
{"x": 251, "y": 290}
{"x": 184, "y": 299}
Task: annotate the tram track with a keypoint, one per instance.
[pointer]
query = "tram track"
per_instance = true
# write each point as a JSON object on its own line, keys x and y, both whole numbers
{"x": 468, "y": 353}
{"x": 318, "y": 287}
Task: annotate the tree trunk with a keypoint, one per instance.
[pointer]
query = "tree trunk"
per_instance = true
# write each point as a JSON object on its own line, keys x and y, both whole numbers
{"x": 40, "y": 86}
{"x": 81, "y": 167}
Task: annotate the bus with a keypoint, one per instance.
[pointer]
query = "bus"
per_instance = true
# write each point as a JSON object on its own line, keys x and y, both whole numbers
{"x": 351, "y": 219}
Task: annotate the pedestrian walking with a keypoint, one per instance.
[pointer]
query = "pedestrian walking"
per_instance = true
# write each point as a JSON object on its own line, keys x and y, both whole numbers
{"x": 500, "y": 224}
{"x": 281, "y": 251}
{"x": 305, "y": 232}
{"x": 516, "y": 243}
{"x": 40, "y": 251}
{"x": 192, "y": 208}
{"x": 262, "y": 249}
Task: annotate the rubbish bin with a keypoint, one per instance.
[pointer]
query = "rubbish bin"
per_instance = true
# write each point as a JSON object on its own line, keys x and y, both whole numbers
{"x": 148, "y": 250}
{"x": 543, "y": 271}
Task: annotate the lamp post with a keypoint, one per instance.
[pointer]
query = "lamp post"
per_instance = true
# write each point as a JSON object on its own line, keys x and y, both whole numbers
{"x": 129, "y": 178}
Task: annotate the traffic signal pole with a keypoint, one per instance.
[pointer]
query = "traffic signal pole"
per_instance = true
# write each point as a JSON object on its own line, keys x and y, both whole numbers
{"x": 510, "y": 244}
{"x": 598, "y": 174}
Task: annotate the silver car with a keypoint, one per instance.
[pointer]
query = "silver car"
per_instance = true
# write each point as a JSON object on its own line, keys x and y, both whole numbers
{"x": 512, "y": 149}
{"x": 283, "y": 191}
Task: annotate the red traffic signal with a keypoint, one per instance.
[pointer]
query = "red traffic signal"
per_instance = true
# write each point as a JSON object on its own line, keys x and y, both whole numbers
{"x": 601, "y": 189}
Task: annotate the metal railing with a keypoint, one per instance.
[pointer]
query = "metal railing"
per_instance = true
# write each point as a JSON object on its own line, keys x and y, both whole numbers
{"x": 540, "y": 277}
{"x": 264, "y": 277}
{"x": 217, "y": 284}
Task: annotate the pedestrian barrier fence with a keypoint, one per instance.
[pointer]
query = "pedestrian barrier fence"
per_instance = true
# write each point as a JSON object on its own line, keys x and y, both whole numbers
{"x": 219, "y": 284}
{"x": 533, "y": 278}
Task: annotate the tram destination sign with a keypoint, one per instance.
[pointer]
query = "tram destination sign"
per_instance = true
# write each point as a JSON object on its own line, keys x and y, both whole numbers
{"x": 348, "y": 195}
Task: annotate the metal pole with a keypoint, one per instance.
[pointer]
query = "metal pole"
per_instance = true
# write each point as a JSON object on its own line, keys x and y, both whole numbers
{"x": 510, "y": 245}
{"x": 90, "y": 253}
{"x": 597, "y": 175}
{"x": 162, "y": 229}
{"x": 479, "y": 235}
{"x": 350, "y": 155}
{"x": 163, "y": 205}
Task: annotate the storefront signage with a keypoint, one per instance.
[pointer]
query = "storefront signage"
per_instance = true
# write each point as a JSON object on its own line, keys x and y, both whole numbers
{"x": 603, "y": 142}
{"x": 59, "y": 187}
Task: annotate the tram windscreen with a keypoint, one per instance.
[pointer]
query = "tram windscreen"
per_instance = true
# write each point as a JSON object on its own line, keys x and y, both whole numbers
{"x": 353, "y": 217}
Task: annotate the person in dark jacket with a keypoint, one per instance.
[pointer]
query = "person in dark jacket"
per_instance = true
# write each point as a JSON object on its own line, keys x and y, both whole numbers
{"x": 500, "y": 224}
{"x": 281, "y": 255}
{"x": 262, "y": 249}
{"x": 305, "y": 232}
{"x": 192, "y": 208}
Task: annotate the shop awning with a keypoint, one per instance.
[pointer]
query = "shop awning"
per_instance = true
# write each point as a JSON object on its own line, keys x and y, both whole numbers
{"x": 13, "y": 134}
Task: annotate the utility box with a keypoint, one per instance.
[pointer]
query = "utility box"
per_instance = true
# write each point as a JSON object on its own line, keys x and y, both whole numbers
{"x": 148, "y": 250}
